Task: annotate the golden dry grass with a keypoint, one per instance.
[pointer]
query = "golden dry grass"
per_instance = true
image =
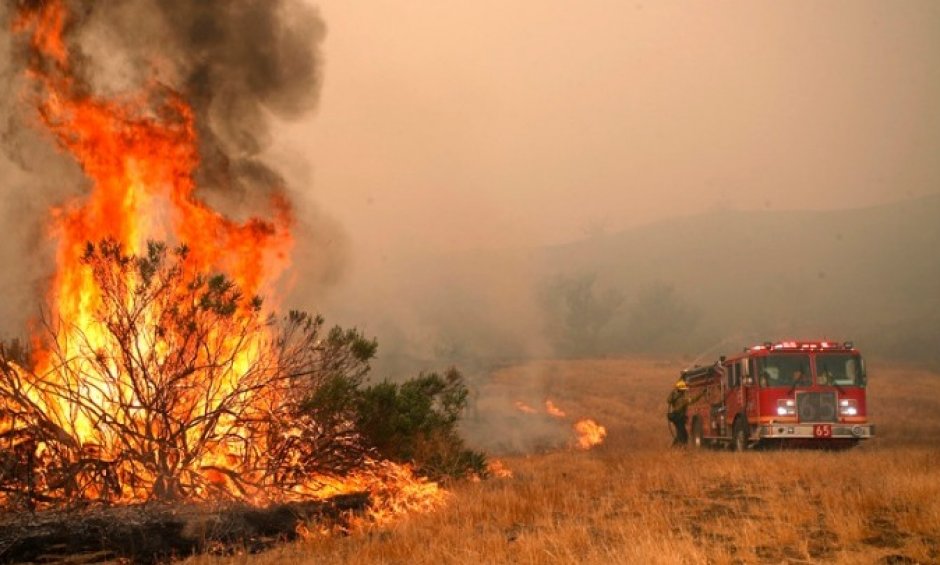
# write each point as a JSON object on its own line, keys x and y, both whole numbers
{"x": 635, "y": 500}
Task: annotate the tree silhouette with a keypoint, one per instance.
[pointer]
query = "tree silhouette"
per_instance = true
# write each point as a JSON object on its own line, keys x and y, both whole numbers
{"x": 579, "y": 311}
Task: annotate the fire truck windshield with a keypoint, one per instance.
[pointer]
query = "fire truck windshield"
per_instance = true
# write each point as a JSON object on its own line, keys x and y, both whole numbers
{"x": 784, "y": 370}
{"x": 840, "y": 369}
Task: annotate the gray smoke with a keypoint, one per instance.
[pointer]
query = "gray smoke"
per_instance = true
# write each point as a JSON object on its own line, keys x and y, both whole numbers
{"x": 243, "y": 65}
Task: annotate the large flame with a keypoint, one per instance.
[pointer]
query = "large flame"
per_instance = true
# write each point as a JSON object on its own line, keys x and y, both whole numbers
{"x": 140, "y": 153}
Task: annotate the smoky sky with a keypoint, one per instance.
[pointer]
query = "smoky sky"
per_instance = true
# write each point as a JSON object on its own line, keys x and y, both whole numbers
{"x": 454, "y": 124}
{"x": 492, "y": 127}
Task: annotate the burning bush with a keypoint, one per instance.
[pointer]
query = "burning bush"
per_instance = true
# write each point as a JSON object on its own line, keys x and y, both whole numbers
{"x": 178, "y": 387}
{"x": 152, "y": 377}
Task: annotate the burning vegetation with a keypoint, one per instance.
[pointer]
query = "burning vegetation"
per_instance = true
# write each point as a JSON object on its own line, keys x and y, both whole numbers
{"x": 178, "y": 388}
{"x": 588, "y": 433}
{"x": 157, "y": 372}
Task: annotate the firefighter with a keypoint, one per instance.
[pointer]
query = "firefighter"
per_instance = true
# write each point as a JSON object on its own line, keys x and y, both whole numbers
{"x": 678, "y": 403}
{"x": 798, "y": 377}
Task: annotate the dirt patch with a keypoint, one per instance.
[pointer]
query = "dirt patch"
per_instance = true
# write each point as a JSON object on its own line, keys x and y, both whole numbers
{"x": 778, "y": 554}
{"x": 822, "y": 545}
{"x": 715, "y": 510}
{"x": 933, "y": 547}
{"x": 711, "y": 538}
{"x": 898, "y": 559}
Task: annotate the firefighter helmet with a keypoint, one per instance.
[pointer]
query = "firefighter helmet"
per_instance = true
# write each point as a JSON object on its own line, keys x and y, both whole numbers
{"x": 681, "y": 385}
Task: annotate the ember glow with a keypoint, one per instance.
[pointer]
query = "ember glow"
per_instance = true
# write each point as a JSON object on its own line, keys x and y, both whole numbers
{"x": 217, "y": 430}
{"x": 553, "y": 410}
{"x": 498, "y": 469}
{"x": 524, "y": 408}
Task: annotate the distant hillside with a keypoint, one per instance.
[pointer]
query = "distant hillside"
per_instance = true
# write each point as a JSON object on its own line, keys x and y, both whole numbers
{"x": 693, "y": 286}
{"x": 870, "y": 274}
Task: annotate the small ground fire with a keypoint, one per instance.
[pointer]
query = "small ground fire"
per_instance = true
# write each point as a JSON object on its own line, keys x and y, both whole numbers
{"x": 588, "y": 433}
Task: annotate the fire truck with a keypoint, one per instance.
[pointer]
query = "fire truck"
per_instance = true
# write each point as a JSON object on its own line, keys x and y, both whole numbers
{"x": 791, "y": 393}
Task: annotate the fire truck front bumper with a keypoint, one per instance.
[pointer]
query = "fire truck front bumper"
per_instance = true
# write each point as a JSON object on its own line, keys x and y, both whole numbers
{"x": 816, "y": 431}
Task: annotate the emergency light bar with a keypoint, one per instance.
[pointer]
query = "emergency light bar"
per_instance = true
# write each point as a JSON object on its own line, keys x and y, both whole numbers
{"x": 801, "y": 346}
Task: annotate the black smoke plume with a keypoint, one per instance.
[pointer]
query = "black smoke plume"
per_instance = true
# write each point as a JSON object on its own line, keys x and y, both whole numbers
{"x": 243, "y": 65}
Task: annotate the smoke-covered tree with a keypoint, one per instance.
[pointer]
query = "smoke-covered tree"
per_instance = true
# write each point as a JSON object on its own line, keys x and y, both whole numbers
{"x": 659, "y": 319}
{"x": 578, "y": 310}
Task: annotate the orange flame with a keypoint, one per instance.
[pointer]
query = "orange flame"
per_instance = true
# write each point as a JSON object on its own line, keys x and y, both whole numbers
{"x": 590, "y": 433}
{"x": 394, "y": 489}
{"x": 554, "y": 410}
{"x": 498, "y": 469}
{"x": 524, "y": 408}
{"x": 140, "y": 153}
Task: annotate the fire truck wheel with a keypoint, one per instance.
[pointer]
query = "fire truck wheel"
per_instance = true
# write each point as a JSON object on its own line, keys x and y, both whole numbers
{"x": 739, "y": 435}
{"x": 697, "y": 441}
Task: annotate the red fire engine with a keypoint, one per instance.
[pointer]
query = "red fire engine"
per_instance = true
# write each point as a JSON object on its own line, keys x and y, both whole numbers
{"x": 790, "y": 393}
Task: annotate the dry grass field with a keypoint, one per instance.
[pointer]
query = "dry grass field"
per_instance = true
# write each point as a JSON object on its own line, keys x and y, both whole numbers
{"x": 635, "y": 500}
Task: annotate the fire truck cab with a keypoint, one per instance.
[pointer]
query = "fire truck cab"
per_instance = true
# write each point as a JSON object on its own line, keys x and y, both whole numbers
{"x": 794, "y": 393}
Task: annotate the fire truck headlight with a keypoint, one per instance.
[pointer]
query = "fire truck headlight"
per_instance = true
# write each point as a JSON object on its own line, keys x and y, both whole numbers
{"x": 848, "y": 407}
{"x": 786, "y": 407}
